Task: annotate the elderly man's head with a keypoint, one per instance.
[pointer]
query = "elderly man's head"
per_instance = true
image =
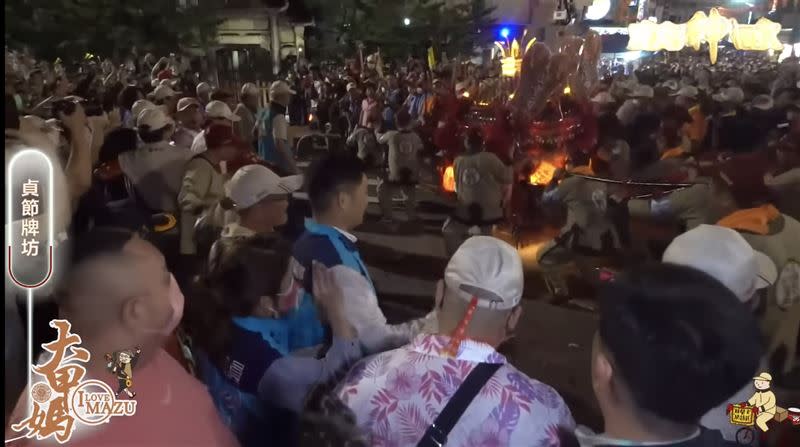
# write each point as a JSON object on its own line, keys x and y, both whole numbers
{"x": 483, "y": 278}
{"x": 119, "y": 292}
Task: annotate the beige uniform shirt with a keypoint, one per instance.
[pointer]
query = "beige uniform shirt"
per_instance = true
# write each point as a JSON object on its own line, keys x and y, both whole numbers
{"x": 779, "y": 325}
{"x": 586, "y": 203}
{"x": 787, "y": 189}
{"x": 480, "y": 179}
{"x": 201, "y": 191}
{"x": 692, "y": 206}
{"x": 404, "y": 149}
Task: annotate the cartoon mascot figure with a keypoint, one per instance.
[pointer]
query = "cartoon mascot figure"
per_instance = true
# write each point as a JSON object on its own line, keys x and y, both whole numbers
{"x": 764, "y": 400}
{"x": 121, "y": 364}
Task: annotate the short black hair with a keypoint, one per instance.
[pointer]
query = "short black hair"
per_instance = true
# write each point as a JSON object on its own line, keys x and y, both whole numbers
{"x": 117, "y": 142}
{"x": 681, "y": 341}
{"x": 329, "y": 175}
{"x": 128, "y": 96}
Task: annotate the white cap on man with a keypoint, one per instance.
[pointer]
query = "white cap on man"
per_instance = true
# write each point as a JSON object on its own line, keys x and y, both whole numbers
{"x": 488, "y": 269}
{"x": 249, "y": 89}
{"x": 351, "y": 86}
{"x": 153, "y": 119}
{"x": 734, "y": 95}
{"x": 203, "y": 88}
{"x": 253, "y": 183}
{"x": 220, "y": 110}
{"x": 140, "y": 106}
{"x": 688, "y": 91}
{"x": 726, "y": 256}
{"x": 163, "y": 92}
{"x": 280, "y": 88}
{"x": 763, "y": 102}
{"x": 185, "y": 103}
{"x": 603, "y": 98}
{"x": 671, "y": 85}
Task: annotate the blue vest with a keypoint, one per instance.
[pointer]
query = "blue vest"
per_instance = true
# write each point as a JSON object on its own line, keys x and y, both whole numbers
{"x": 255, "y": 344}
{"x": 266, "y": 143}
{"x": 329, "y": 247}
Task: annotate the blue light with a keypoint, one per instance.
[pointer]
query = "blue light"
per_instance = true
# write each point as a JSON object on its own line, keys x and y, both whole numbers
{"x": 504, "y": 33}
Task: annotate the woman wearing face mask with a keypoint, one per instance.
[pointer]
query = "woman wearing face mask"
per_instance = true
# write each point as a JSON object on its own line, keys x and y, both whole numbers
{"x": 238, "y": 323}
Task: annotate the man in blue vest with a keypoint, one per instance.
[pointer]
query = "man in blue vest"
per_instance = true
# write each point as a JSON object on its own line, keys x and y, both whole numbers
{"x": 337, "y": 189}
{"x": 273, "y": 129}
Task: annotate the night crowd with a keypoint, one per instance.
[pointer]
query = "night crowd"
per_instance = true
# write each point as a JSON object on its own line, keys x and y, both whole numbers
{"x": 180, "y": 232}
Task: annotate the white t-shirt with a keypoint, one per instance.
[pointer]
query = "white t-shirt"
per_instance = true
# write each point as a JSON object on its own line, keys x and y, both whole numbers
{"x": 199, "y": 143}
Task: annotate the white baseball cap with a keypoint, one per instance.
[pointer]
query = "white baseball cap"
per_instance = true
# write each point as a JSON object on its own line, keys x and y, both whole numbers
{"x": 185, "y": 103}
{"x": 280, "y": 88}
{"x": 163, "y": 92}
{"x": 140, "y": 106}
{"x": 603, "y": 98}
{"x": 726, "y": 256}
{"x": 688, "y": 91}
{"x": 154, "y": 118}
{"x": 218, "y": 109}
{"x": 351, "y": 86}
{"x": 252, "y": 183}
{"x": 733, "y": 95}
{"x": 763, "y": 102}
{"x": 671, "y": 85}
{"x": 203, "y": 87}
{"x": 489, "y": 269}
{"x": 249, "y": 89}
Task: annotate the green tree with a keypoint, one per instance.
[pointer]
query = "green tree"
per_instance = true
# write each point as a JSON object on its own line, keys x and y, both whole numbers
{"x": 454, "y": 29}
{"x": 71, "y": 28}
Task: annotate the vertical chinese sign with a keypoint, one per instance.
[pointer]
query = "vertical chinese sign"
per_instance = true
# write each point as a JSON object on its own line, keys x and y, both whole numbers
{"x": 29, "y": 226}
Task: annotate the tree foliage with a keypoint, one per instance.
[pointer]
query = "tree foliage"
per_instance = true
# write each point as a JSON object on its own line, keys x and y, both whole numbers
{"x": 72, "y": 28}
{"x": 454, "y": 29}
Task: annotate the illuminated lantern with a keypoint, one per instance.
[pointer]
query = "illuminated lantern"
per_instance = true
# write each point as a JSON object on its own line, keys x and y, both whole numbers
{"x": 642, "y": 36}
{"x": 449, "y": 179}
{"x": 762, "y": 36}
{"x": 651, "y": 36}
{"x": 696, "y": 30}
{"x": 717, "y": 27}
{"x": 511, "y": 56}
{"x": 671, "y": 36}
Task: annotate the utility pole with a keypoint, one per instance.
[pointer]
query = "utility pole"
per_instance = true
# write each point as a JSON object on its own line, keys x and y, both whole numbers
{"x": 275, "y": 40}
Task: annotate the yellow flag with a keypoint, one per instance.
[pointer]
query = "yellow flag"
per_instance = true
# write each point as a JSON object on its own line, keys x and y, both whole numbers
{"x": 431, "y": 58}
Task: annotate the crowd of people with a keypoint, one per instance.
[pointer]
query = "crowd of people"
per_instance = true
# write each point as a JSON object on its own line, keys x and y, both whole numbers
{"x": 173, "y": 198}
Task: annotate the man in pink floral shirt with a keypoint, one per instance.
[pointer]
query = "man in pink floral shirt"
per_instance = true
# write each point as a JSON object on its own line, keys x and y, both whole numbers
{"x": 397, "y": 395}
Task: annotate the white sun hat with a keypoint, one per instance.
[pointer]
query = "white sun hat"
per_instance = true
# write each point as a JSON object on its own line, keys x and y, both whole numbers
{"x": 726, "y": 256}
{"x": 252, "y": 183}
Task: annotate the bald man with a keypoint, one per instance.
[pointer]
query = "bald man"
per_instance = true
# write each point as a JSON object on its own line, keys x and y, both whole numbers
{"x": 119, "y": 296}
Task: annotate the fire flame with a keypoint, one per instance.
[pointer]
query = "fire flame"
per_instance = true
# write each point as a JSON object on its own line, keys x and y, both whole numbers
{"x": 449, "y": 179}
{"x": 543, "y": 174}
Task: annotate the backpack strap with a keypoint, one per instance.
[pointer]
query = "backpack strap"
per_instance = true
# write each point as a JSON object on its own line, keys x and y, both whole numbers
{"x": 436, "y": 435}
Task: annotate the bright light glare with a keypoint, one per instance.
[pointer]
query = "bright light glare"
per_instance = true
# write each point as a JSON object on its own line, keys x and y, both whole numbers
{"x": 406, "y": 21}
{"x": 504, "y": 33}
{"x": 598, "y": 10}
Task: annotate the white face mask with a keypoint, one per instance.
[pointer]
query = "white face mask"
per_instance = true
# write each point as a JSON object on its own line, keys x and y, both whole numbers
{"x": 176, "y": 301}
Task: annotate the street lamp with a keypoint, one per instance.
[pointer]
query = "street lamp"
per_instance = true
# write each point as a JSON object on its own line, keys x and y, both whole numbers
{"x": 406, "y": 21}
